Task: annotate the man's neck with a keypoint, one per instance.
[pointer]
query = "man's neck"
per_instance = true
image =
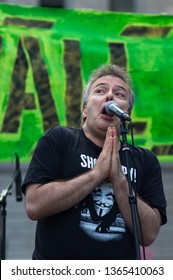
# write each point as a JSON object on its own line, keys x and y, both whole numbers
{"x": 99, "y": 141}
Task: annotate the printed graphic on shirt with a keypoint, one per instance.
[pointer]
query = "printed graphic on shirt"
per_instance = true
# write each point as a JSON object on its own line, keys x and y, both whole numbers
{"x": 87, "y": 161}
{"x": 132, "y": 172}
{"x": 100, "y": 217}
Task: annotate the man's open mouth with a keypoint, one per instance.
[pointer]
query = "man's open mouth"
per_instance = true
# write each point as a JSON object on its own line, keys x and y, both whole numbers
{"x": 105, "y": 113}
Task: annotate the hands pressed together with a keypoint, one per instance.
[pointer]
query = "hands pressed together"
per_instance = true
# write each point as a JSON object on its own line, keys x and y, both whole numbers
{"x": 108, "y": 164}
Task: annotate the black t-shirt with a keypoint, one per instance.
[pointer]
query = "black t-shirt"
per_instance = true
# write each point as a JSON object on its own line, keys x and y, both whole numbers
{"x": 94, "y": 228}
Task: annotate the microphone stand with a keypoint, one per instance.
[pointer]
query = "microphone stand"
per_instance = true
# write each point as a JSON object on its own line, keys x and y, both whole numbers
{"x": 3, "y": 213}
{"x": 132, "y": 198}
{"x": 16, "y": 178}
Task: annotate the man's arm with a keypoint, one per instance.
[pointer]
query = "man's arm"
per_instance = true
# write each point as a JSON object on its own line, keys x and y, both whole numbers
{"x": 150, "y": 218}
{"x": 55, "y": 197}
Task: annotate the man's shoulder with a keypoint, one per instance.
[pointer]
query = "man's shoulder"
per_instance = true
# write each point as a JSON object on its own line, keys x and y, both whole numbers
{"x": 148, "y": 157}
{"x": 62, "y": 131}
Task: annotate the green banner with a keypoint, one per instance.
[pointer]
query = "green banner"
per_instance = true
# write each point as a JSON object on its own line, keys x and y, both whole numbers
{"x": 47, "y": 54}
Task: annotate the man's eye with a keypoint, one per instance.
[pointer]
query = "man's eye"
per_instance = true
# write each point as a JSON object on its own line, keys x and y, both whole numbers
{"x": 100, "y": 91}
{"x": 121, "y": 94}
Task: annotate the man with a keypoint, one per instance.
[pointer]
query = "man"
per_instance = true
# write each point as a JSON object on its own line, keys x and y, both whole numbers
{"x": 76, "y": 185}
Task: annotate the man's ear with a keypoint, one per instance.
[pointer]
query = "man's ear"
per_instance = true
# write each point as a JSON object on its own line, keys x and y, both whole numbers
{"x": 84, "y": 112}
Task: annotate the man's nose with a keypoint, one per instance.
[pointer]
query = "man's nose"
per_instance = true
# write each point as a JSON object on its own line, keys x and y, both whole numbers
{"x": 110, "y": 95}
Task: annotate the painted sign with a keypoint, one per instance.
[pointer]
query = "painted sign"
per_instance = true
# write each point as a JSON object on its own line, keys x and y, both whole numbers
{"x": 47, "y": 54}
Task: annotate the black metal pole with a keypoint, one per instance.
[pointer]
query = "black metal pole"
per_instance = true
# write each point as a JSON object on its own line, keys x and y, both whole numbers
{"x": 132, "y": 198}
{"x": 3, "y": 204}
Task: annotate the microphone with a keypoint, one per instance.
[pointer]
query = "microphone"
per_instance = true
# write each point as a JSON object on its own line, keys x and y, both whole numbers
{"x": 112, "y": 108}
{"x": 18, "y": 180}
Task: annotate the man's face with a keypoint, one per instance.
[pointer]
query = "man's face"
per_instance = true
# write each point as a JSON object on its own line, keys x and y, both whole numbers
{"x": 103, "y": 90}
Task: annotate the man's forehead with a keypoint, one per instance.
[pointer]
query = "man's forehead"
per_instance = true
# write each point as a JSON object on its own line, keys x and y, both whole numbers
{"x": 109, "y": 80}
